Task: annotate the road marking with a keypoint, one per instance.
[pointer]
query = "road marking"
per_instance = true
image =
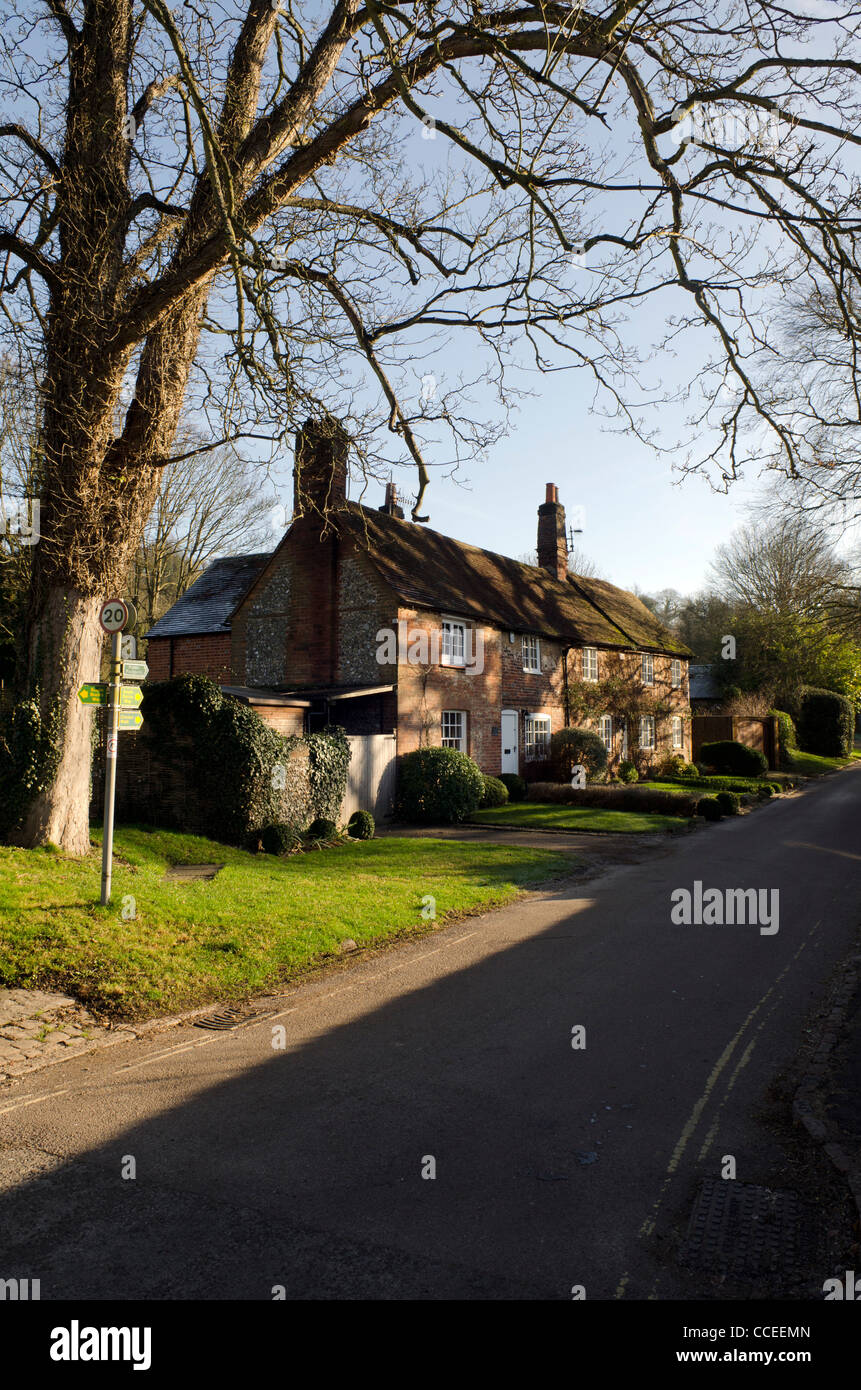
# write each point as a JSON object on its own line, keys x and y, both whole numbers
{"x": 35, "y": 1100}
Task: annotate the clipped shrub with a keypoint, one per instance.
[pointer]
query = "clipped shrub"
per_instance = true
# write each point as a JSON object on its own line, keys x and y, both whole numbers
{"x": 570, "y": 747}
{"x": 515, "y": 786}
{"x": 826, "y": 723}
{"x": 766, "y": 791}
{"x": 321, "y": 829}
{"x": 361, "y": 826}
{"x": 728, "y": 802}
{"x": 628, "y": 772}
{"x": 787, "y": 738}
{"x": 277, "y": 838}
{"x": 438, "y": 786}
{"x": 688, "y": 772}
{"x": 672, "y": 765}
{"x": 495, "y": 792}
{"x": 709, "y": 807}
{"x": 729, "y": 756}
{"x": 610, "y": 798}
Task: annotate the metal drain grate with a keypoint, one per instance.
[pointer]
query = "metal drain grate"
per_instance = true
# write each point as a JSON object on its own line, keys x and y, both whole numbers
{"x": 743, "y": 1231}
{"x": 222, "y": 1019}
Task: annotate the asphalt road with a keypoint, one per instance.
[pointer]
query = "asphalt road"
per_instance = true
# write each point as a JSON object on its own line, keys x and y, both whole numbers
{"x": 555, "y": 1166}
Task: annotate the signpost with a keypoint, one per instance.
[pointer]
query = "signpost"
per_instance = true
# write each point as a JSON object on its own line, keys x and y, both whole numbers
{"x": 116, "y": 615}
{"x": 135, "y": 670}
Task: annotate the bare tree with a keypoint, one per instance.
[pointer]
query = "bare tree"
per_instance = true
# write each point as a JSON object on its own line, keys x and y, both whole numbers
{"x": 208, "y": 504}
{"x": 238, "y": 208}
{"x": 789, "y": 569}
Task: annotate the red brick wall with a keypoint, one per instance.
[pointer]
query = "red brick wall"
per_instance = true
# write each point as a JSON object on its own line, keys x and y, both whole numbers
{"x": 203, "y": 654}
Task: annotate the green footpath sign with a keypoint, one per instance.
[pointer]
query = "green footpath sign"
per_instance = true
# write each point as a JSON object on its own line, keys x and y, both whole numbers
{"x": 129, "y": 719}
{"x": 130, "y": 695}
{"x": 135, "y": 670}
{"x": 93, "y": 693}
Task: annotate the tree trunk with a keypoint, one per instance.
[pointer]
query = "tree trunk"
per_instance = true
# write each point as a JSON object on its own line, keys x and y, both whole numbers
{"x": 65, "y": 651}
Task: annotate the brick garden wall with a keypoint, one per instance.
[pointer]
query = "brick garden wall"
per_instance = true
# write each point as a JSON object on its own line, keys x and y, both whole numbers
{"x": 202, "y": 654}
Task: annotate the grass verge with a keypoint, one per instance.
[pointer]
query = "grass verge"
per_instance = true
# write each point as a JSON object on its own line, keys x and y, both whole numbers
{"x": 539, "y": 815}
{"x": 260, "y": 923}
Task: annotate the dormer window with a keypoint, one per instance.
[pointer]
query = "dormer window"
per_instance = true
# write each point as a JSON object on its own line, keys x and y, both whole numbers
{"x": 532, "y": 655}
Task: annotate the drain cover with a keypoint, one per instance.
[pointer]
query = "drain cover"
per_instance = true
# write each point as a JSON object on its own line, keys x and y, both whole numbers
{"x": 740, "y": 1230}
{"x": 187, "y": 873}
{"x": 221, "y": 1019}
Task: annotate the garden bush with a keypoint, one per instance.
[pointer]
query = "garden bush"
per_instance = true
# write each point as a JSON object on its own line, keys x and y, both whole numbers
{"x": 628, "y": 772}
{"x": 671, "y": 766}
{"x": 826, "y": 724}
{"x": 438, "y": 786}
{"x": 321, "y": 829}
{"x": 643, "y": 799}
{"x": 710, "y": 808}
{"x": 495, "y": 792}
{"x": 516, "y": 786}
{"x": 361, "y": 826}
{"x": 787, "y": 738}
{"x": 728, "y": 802}
{"x": 688, "y": 772}
{"x": 729, "y": 756}
{"x": 765, "y": 791}
{"x": 278, "y": 838}
{"x": 570, "y": 747}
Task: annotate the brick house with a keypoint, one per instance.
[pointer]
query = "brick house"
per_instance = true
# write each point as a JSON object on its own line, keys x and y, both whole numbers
{"x": 362, "y": 618}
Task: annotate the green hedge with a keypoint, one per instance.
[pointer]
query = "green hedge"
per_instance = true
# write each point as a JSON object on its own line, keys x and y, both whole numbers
{"x": 234, "y": 756}
{"x": 438, "y": 786}
{"x": 615, "y": 798}
{"x": 826, "y": 724}
{"x": 727, "y": 756}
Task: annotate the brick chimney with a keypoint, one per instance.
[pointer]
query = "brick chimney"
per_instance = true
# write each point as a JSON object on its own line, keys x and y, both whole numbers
{"x": 552, "y": 538}
{"x": 391, "y": 506}
{"x": 320, "y": 467}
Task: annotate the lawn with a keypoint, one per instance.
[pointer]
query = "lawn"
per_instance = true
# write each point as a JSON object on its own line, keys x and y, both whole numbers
{"x": 261, "y": 922}
{"x": 540, "y": 815}
{"x": 812, "y": 765}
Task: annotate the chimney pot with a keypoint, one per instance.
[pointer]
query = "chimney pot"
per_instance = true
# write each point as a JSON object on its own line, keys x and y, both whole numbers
{"x": 552, "y": 535}
{"x": 320, "y": 467}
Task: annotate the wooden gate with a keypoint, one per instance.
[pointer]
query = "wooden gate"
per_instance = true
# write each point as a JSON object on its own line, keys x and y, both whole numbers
{"x": 371, "y": 775}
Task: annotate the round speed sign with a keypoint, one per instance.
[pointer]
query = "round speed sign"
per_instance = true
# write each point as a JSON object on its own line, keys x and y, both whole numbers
{"x": 114, "y": 615}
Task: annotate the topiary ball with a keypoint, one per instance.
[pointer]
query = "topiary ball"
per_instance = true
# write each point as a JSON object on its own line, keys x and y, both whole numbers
{"x": 515, "y": 785}
{"x": 495, "y": 793}
{"x": 728, "y": 802}
{"x": 321, "y": 829}
{"x": 709, "y": 807}
{"x": 361, "y": 826}
{"x": 276, "y": 838}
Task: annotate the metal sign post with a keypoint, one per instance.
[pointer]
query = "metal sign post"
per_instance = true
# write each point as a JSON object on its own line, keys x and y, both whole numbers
{"x": 113, "y": 618}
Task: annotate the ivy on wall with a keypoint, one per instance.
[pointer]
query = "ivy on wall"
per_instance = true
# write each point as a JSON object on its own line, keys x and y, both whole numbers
{"x": 236, "y": 759}
{"x": 29, "y": 753}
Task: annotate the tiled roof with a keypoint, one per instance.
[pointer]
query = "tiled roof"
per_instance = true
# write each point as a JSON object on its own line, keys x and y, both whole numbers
{"x": 208, "y": 604}
{"x": 703, "y": 684}
{"x": 430, "y": 570}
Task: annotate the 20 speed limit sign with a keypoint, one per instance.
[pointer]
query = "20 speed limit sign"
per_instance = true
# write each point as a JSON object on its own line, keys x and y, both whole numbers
{"x": 114, "y": 615}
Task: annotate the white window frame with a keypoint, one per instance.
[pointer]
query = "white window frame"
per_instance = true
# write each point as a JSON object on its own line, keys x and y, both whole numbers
{"x": 606, "y": 738}
{"x": 676, "y": 675}
{"x": 589, "y": 663}
{"x": 450, "y": 627}
{"x": 647, "y": 723}
{"x": 526, "y": 646}
{"x": 647, "y": 668}
{"x": 536, "y": 737}
{"x": 450, "y": 740}
{"x": 677, "y": 727}
{"x": 623, "y": 746}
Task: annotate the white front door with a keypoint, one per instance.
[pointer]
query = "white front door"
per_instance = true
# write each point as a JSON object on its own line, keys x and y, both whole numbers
{"x": 510, "y": 760}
